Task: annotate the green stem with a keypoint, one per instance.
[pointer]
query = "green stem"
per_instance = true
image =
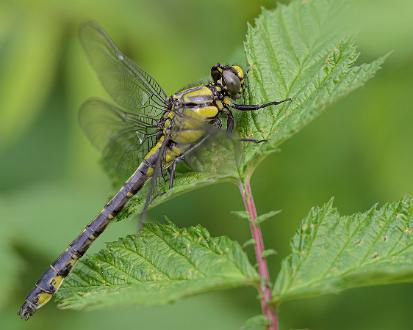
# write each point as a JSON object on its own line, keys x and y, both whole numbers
{"x": 264, "y": 288}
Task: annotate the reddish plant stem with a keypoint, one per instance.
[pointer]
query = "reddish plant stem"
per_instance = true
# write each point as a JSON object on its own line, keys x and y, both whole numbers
{"x": 264, "y": 289}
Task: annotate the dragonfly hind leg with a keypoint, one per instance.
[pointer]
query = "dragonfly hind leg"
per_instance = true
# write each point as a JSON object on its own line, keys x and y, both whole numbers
{"x": 230, "y": 128}
{"x": 171, "y": 172}
{"x": 172, "y": 168}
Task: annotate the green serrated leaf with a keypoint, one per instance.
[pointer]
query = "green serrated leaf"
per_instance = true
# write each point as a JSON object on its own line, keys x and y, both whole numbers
{"x": 258, "y": 322}
{"x": 160, "y": 265}
{"x": 266, "y": 216}
{"x": 331, "y": 253}
{"x": 295, "y": 51}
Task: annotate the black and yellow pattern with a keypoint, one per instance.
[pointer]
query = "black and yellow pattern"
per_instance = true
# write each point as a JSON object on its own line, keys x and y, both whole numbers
{"x": 152, "y": 130}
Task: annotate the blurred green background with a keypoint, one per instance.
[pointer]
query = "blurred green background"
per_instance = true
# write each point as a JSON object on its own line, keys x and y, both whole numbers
{"x": 51, "y": 184}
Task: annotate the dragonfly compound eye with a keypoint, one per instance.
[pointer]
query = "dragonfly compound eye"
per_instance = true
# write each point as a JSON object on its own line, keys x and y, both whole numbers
{"x": 231, "y": 82}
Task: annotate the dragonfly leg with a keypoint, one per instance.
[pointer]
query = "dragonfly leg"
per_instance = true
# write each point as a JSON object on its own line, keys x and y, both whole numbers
{"x": 171, "y": 171}
{"x": 230, "y": 121}
{"x": 172, "y": 168}
{"x": 253, "y": 107}
{"x": 230, "y": 128}
{"x": 253, "y": 140}
{"x": 216, "y": 122}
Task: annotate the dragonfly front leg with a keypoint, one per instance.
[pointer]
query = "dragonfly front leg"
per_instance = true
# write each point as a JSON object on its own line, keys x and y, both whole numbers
{"x": 253, "y": 107}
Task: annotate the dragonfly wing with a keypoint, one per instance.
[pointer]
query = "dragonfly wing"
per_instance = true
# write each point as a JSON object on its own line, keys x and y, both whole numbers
{"x": 128, "y": 85}
{"x": 219, "y": 156}
{"x": 217, "y": 152}
{"x": 124, "y": 137}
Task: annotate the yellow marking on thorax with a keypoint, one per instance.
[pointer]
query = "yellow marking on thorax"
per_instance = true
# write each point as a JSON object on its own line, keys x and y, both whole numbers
{"x": 171, "y": 154}
{"x": 227, "y": 100}
{"x": 203, "y": 91}
{"x": 219, "y": 104}
{"x": 195, "y": 118}
{"x": 188, "y": 136}
{"x": 191, "y": 119}
{"x": 206, "y": 112}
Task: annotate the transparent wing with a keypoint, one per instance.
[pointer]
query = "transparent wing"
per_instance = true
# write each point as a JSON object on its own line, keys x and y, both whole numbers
{"x": 128, "y": 85}
{"x": 217, "y": 153}
{"x": 218, "y": 156}
{"x": 123, "y": 137}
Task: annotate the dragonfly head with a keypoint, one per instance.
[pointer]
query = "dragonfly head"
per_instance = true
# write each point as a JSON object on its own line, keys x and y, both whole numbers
{"x": 230, "y": 77}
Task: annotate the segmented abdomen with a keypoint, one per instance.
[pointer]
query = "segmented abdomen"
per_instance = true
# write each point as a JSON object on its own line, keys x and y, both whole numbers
{"x": 51, "y": 280}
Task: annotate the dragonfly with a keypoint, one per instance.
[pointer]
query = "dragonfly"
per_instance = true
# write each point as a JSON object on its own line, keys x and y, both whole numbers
{"x": 147, "y": 133}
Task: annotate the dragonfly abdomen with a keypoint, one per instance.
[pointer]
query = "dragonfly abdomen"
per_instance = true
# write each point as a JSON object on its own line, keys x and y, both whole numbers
{"x": 51, "y": 280}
